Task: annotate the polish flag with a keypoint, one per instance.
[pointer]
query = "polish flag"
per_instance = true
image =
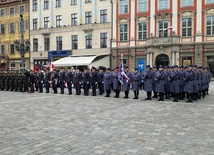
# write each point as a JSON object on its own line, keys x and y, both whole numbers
{"x": 51, "y": 66}
{"x": 168, "y": 28}
{"x": 2, "y": 61}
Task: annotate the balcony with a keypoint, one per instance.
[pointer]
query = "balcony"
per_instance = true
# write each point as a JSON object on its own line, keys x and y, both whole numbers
{"x": 163, "y": 41}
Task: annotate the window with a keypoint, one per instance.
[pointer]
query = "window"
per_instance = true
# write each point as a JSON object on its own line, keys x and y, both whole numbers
{"x": 35, "y": 44}
{"x": 58, "y": 3}
{"x": 186, "y": 27}
{"x": 123, "y": 32}
{"x": 20, "y": 65}
{"x": 21, "y": 26}
{"x": 74, "y": 39}
{"x": 47, "y": 44}
{"x": 12, "y": 27}
{"x": 46, "y": 4}
{"x": 163, "y": 25}
{"x": 59, "y": 43}
{"x": 142, "y": 31}
{"x": 210, "y": 25}
{"x": 34, "y": 5}
{"x": 163, "y": 4}
{"x": 12, "y": 11}
{"x": 2, "y": 49}
{"x": 12, "y": 51}
{"x": 74, "y": 19}
{"x": 210, "y": 1}
{"x": 2, "y": 13}
{"x": 2, "y": 29}
{"x": 103, "y": 16}
{"x": 88, "y": 41}
{"x": 87, "y": 1}
{"x": 123, "y": 6}
{"x": 46, "y": 22}
{"x": 35, "y": 24}
{"x": 58, "y": 21}
{"x": 12, "y": 66}
{"x": 187, "y": 3}
{"x": 88, "y": 17}
{"x": 73, "y": 2}
{"x": 21, "y": 9}
{"x": 103, "y": 40}
{"x": 142, "y": 5}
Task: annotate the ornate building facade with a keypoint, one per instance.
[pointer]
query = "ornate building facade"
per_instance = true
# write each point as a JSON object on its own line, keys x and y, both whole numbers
{"x": 10, "y": 31}
{"x": 59, "y": 28}
{"x": 142, "y": 32}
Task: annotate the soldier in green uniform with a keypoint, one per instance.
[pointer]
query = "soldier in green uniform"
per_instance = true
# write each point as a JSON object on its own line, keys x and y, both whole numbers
{"x": 1, "y": 79}
{"x": 15, "y": 81}
{"x": 20, "y": 82}
{"x": 6, "y": 81}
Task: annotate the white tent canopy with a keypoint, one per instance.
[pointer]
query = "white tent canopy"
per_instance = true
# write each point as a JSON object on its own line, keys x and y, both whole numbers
{"x": 83, "y": 60}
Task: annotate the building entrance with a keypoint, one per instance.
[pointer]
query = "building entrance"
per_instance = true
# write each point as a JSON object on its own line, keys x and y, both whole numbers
{"x": 162, "y": 59}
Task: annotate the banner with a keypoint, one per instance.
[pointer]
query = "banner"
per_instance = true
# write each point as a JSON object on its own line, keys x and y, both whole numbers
{"x": 140, "y": 63}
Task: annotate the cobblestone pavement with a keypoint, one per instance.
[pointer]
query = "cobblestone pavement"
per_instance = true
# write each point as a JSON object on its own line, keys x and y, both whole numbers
{"x": 52, "y": 124}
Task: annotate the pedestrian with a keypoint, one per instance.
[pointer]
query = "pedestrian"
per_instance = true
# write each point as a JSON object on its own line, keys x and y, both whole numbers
{"x": 127, "y": 80}
{"x": 86, "y": 81}
{"x": 116, "y": 83}
{"x": 69, "y": 79}
{"x": 47, "y": 80}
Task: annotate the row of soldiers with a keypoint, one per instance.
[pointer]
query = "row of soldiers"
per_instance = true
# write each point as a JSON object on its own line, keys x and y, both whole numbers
{"x": 177, "y": 82}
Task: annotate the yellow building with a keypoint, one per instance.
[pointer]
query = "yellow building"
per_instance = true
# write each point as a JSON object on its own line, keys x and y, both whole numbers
{"x": 10, "y": 58}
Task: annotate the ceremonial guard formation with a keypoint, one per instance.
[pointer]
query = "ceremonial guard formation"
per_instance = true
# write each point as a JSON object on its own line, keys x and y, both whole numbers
{"x": 178, "y": 82}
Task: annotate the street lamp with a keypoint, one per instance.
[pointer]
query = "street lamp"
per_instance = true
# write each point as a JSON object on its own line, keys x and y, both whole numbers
{"x": 22, "y": 46}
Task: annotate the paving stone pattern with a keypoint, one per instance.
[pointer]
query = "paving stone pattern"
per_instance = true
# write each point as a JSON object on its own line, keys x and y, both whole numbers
{"x": 49, "y": 124}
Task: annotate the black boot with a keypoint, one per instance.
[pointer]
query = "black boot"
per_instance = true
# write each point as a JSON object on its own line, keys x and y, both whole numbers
{"x": 126, "y": 94}
{"x": 147, "y": 96}
{"x": 135, "y": 95}
{"x": 150, "y": 95}
{"x": 175, "y": 98}
{"x": 160, "y": 97}
{"x": 199, "y": 95}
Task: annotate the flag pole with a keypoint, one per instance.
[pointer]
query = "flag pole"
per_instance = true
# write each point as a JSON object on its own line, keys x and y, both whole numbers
{"x": 121, "y": 61}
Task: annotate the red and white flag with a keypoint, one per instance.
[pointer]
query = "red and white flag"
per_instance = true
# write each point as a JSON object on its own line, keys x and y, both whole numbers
{"x": 2, "y": 61}
{"x": 51, "y": 66}
{"x": 168, "y": 28}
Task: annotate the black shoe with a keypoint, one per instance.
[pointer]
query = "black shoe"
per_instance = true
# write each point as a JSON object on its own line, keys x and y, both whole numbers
{"x": 126, "y": 97}
{"x": 147, "y": 99}
{"x": 160, "y": 99}
{"x": 69, "y": 93}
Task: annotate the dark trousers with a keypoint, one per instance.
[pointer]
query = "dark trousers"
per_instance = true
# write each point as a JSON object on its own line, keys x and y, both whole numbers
{"x": 101, "y": 87}
{"x": 40, "y": 87}
{"x": 47, "y": 87}
{"x": 36, "y": 86}
{"x": 94, "y": 87}
{"x": 31, "y": 87}
{"x": 86, "y": 88}
{"x": 69, "y": 84}
{"x": 62, "y": 86}
{"x": 54, "y": 88}
{"x": 77, "y": 88}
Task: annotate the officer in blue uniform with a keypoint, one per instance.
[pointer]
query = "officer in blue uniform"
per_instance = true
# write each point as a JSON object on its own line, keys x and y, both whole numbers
{"x": 189, "y": 78}
{"x": 78, "y": 81}
{"x": 107, "y": 82}
{"x": 196, "y": 89}
{"x": 62, "y": 80}
{"x": 54, "y": 80}
{"x": 181, "y": 93}
{"x": 100, "y": 80}
{"x": 116, "y": 83}
{"x": 69, "y": 80}
{"x": 41, "y": 81}
{"x": 136, "y": 82}
{"x": 94, "y": 81}
{"x": 160, "y": 80}
{"x": 174, "y": 79}
{"x": 154, "y": 83}
{"x": 126, "y": 82}
{"x": 47, "y": 80}
{"x": 148, "y": 77}
{"x": 86, "y": 81}
{"x": 167, "y": 71}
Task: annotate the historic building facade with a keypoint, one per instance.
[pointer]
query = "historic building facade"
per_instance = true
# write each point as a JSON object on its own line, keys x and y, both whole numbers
{"x": 60, "y": 28}
{"x": 10, "y": 31}
{"x": 140, "y": 32}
